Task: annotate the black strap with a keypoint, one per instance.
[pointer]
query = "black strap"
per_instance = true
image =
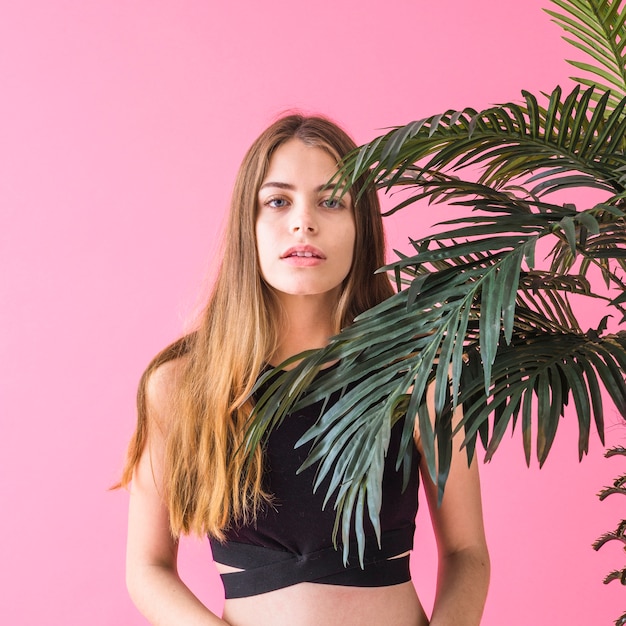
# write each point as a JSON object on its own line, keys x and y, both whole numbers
{"x": 264, "y": 569}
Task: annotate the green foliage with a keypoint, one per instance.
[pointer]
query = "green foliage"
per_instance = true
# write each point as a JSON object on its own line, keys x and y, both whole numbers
{"x": 596, "y": 28}
{"x": 475, "y": 315}
{"x": 619, "y": 534}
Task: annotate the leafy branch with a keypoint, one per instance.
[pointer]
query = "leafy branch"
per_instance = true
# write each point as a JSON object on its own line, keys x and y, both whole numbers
{"x": 595, "y": 28}
{"x": 619, "y": 534}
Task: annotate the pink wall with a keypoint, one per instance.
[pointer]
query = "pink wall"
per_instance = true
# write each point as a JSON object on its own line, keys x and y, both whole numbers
{"x": 121, "y": 127}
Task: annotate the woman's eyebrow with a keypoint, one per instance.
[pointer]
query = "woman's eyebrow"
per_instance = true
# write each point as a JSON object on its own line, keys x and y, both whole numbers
{"x": 293, "y": 187}
{"x": 277, "y": 184}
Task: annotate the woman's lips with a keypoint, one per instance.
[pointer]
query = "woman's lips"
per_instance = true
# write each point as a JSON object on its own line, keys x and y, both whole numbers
{"x": 303, "y": 261}
{"x": 303, "y": 256}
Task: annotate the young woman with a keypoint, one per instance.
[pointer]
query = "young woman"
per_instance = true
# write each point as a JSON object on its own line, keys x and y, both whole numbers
{"x": 298, "y": 265}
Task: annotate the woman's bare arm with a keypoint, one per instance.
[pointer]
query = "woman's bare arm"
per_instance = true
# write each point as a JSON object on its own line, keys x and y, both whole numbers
{"x": 151, "y": 573}
{"x": 464, "y": 569}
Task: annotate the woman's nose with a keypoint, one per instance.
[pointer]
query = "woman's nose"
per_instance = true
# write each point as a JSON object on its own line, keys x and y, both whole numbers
{"x": 303, "y": 220}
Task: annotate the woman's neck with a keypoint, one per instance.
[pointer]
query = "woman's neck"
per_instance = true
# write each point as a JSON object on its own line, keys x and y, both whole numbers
{"x": 308, "y": 324}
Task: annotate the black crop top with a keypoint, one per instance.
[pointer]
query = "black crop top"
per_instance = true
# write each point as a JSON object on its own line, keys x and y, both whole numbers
{"x": 291, "y": 541}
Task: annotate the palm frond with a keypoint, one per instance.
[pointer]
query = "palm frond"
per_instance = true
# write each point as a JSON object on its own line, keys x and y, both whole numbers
{"x": 596, "y": 27}
{"x": 554, "y": 368}
{"x": 349, "y": 441}
{"x": 615, "y": 451}
{"x": 616, "y": 575}
{"x": 619, "y": 534}
{"x": 582, "y": 145}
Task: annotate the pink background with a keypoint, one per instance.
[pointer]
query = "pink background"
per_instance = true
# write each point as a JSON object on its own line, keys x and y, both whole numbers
{"x": 121, "y": 128}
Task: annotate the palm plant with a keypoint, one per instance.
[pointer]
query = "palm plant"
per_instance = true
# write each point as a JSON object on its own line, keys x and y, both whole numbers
{"x": 474, "y": 313}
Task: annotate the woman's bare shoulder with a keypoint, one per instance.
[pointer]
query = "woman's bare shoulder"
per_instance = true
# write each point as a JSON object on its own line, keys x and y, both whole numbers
{"x": 162, "y": 390}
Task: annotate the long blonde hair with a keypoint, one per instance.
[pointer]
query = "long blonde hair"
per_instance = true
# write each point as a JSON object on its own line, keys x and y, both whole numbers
{"x": 206, "y": 484}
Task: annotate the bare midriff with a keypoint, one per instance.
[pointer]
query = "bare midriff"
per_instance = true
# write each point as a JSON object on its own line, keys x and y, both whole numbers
{"x": 311, "y": 604}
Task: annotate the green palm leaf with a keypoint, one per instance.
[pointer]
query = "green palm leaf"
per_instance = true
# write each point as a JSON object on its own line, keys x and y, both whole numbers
{"x": 583, "y": 145}
{"x": 553, "y": 367}
{"x": 596, "y": 28}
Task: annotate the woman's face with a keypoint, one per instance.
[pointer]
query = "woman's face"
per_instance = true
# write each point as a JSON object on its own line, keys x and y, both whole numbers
{"x": 305, "y": 240}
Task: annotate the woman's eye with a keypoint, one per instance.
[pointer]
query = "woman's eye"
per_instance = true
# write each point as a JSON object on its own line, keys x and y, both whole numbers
{"x": 332, "y": 203}
{"x": 277, "y": 203}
